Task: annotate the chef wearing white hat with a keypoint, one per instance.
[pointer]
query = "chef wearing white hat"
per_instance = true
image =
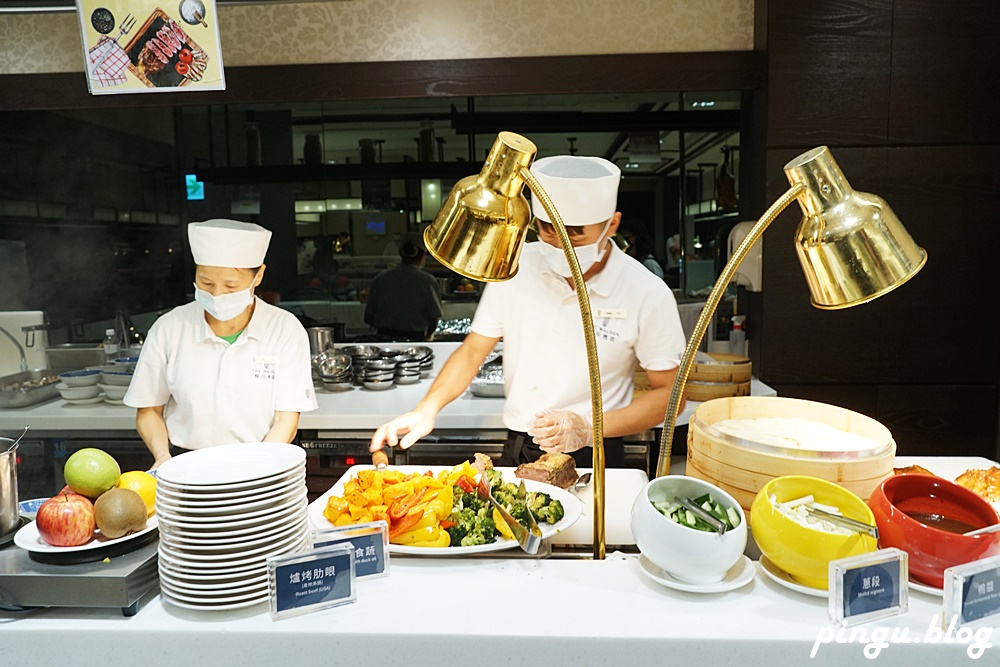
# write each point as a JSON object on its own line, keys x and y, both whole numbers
{"x": 227, "y": 367}
{"x": 536, "y": 314}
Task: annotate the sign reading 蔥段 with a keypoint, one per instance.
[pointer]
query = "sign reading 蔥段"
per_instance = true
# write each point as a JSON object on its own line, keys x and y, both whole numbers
{"x": 869, "y": 586}
{"x": 135, "y": 46}
{"x": 370, "y": 542}
{"x": 972, "y": 591}
{"x": 305, "y": 582}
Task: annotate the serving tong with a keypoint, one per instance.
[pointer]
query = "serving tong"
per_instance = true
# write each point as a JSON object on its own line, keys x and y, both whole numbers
{"x": 529, "y": 539}
{"x": 844, "y": 522}
{"x": 720, "y": 526}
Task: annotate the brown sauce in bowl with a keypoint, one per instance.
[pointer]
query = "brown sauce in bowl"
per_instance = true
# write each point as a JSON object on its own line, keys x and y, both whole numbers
{"x": 940, "y": 522}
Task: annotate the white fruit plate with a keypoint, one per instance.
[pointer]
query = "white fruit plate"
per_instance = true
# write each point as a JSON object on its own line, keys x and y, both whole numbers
{"x": 28, "y": 539}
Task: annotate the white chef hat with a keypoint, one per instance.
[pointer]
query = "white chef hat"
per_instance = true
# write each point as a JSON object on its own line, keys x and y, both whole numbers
{"x": 228, "y": 243}
{"x": 584, "y": 189}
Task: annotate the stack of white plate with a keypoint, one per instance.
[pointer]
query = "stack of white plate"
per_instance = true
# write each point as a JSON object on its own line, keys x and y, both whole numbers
{"x": 223, "y": 511}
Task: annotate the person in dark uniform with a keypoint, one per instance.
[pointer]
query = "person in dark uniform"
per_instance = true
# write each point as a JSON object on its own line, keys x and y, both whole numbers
{"x": 404, "y": 302}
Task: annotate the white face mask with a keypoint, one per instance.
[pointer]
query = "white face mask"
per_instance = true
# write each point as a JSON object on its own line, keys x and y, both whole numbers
{"x": 586, "y": 255}
{"x": 225, "y": 306}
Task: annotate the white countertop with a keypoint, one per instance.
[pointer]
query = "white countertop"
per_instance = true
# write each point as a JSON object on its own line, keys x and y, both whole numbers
{"x": 358, "y": 409}
{"x": 430, "y": 611}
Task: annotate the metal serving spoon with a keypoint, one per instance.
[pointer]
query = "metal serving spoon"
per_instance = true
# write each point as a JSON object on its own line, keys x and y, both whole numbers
{"x": 981, "y": 531}
{"x": 581, "y": 483}
{"x": 14, "y": 444}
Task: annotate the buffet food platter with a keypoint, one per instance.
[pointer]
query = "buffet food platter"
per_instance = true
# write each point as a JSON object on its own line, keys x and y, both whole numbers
{"x": 571, "y": 504}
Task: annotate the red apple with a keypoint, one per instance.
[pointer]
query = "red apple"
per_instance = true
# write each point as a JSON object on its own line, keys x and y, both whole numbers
{"x": 66, "y": 520}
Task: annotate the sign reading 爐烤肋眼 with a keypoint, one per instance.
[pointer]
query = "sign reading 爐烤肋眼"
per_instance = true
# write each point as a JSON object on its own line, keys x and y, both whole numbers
{"x": 138, "y": 46}
{"x": 304, "y": 582}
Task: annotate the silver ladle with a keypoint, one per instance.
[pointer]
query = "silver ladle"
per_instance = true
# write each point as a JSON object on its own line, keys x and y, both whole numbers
{"x": 14, "y": 444}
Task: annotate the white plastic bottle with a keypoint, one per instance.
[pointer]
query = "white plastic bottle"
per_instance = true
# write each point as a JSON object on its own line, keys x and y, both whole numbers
{"x": 738, "y": 337}
{"x": 110, "y": 345}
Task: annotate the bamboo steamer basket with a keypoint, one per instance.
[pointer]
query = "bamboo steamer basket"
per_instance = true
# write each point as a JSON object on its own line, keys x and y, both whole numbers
{"x": 706, "y": 391}
{"x": 741, "y": 467}
{"x": 719, "y": 367}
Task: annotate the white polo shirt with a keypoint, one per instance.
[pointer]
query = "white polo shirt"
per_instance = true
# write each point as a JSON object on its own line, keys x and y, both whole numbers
{"x": 544, "y": 352}
{"x": 215, "y": 393}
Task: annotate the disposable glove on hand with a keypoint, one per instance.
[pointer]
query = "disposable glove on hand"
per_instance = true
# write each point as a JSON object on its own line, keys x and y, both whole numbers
{"x": 412, "y": 426}
{"x": 561, "y": 431}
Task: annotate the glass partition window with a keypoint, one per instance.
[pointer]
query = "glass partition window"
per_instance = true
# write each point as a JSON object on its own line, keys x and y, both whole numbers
{"x": 95, "y": 202}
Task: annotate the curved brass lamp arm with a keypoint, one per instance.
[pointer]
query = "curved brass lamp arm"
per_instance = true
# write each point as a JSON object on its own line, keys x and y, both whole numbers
{"x": 593, "y": 367}
{"x": 673, "y": 407}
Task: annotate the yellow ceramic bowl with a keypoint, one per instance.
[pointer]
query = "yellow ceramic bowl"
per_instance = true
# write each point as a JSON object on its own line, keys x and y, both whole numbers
{"x": 805, "y": 553}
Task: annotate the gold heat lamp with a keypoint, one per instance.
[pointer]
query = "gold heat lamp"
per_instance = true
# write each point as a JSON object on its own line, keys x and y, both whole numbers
{"x": 851, "y": 246}
{"x": 479, "y": 232}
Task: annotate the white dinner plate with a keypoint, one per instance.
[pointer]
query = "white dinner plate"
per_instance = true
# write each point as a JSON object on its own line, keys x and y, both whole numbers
{"x": 28, "y": 539}
{"x": 250, "y": 564}
{"x": 252, "y": 568}
{"x": 184, "y": 508}
{"x": 227, "y": 531}
{"x": 224, "y": 499}
{"x": 203, "y": 590}
{"x": 238, "y": 554}
{"x": 85, "y": 401}
{"x": 181, "y": 545}
{"x": 252, "y": 602}
{"x": 231, "y": 464}
{"x": 178, "y": 518}
{"x": 738, "y": 576}
{"x": 571, "y": 505}
{"x": 211, "y": 491}
{"x": 212, "y": 601}
{"x": 782, "y": 578}
{"x": 187, "y": 541}
{"x": 213, "y": 579}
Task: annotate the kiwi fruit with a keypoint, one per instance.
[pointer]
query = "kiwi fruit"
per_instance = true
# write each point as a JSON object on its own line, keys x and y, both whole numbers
{"x": 119, "y": 512}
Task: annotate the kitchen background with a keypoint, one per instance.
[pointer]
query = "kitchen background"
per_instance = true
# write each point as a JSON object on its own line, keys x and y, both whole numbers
{"x": 900, "y": 90}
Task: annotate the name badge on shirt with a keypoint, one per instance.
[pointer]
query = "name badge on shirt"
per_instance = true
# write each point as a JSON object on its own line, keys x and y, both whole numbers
{"x": 612, "y": 313}
{"x": 263, "y": 368}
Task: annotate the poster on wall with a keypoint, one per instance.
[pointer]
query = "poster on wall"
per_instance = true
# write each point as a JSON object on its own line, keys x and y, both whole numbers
{"x": 145, "y": 46}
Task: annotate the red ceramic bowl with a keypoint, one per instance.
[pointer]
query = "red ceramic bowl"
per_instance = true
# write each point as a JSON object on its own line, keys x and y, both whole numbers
{"x": 932, "y": 550}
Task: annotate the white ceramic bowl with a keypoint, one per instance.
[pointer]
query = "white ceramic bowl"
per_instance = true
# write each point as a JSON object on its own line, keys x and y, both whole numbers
{"x": 84, "y": 378}
{"x": 113, "y": 392}
{"x": 119, "y": 379}
{"x": 686, "y": 554}
{"x": 78, "y": 393}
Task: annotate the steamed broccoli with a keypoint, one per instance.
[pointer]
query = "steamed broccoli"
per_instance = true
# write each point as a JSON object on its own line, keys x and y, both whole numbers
{"x": 553, "y": 512}
{"x": 519, "y": 510}
{"x": 544, "y": 507}
{"x": 493, "y": 477}
{"x": 537, "y": 501}
{"x": 482, "y": 529}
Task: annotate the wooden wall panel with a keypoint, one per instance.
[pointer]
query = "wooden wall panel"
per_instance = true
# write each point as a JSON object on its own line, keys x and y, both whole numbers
{"x": 951, "y": 420}
{"x": 921, "y": 359}
{"x": 828, "y": 71}
{"x": 645, "y": 72}
{"x": 945, "y": 72}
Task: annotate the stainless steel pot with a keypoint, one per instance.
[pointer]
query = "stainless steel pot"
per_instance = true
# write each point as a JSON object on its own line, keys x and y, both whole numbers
{"x": 9, "y": 518}
{"x": 321, "y": 339}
